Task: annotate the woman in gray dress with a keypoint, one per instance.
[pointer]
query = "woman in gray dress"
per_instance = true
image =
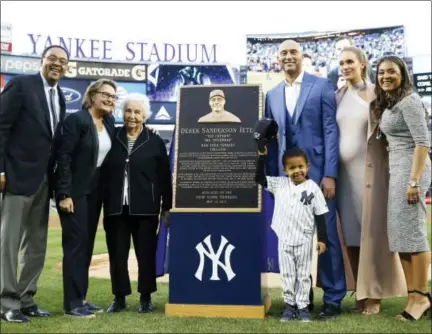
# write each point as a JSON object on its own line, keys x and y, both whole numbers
{"x": 403, "y": 122}
{"x": 362, "y": 190}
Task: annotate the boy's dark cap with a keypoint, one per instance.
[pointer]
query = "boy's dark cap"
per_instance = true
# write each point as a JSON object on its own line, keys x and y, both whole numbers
{"x": 266, "y": 129}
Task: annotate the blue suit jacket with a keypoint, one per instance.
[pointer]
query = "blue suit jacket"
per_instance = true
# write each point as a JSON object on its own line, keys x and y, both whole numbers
{"x": 312, "y": 127}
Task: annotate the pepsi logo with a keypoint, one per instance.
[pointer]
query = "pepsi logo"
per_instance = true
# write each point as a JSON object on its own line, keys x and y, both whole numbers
{"x": 71, "y": 95}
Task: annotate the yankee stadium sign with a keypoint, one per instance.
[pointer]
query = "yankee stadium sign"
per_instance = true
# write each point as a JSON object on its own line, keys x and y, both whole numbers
{"x": 133, "y": 51}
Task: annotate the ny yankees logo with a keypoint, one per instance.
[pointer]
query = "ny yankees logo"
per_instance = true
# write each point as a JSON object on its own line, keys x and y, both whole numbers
{"x": 215, "y": 258}
{"x": 306, "y": 199}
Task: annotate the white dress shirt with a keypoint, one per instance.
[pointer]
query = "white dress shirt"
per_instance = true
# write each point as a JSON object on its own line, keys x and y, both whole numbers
{"x": 292, "y": 93}
{"x": 47, "y": 88}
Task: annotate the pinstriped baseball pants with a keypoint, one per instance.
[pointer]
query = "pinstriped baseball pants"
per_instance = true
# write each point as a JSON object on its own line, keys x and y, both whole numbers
{"x": 295, "y": 264}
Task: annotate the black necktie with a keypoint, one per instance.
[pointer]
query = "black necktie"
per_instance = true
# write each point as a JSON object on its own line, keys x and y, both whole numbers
{"x": 53, "y": 111}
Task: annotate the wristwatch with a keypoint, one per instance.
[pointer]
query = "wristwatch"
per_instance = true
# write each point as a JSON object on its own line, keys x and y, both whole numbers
{"x": 413, "y": 184}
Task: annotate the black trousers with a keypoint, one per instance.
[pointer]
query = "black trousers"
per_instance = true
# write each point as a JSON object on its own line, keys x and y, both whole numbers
{"x": 78, "y": 237}
{"x": 118, "y": 232}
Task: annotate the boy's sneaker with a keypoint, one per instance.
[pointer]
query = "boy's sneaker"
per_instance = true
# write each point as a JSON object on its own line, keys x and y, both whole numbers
{"x": 304, "y": 315}
{"x": 289, "y": 313}
{"x": 80, "y": 312}
{"x": 92, "y": 308}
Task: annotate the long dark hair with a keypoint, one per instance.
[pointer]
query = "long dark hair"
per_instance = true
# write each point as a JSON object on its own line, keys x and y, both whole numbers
{"x": 385, "y": 100}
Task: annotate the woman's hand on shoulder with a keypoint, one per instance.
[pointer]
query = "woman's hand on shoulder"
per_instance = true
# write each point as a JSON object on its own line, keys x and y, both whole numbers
{"x": 154, "y": 131}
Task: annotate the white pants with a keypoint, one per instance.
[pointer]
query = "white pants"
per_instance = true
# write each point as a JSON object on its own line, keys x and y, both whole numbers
{"x": 295, "y": 265}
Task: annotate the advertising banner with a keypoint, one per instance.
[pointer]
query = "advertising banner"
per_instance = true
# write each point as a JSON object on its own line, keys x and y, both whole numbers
{"x": 422, "y": 82}
{"x": 77, "y": 70}
{"x": 165, "y": 80}
{"x": 162, "y": 113}
{"x": 19, "y": 65}
{"x": 215, "y": 161}
{"x": 113, "y": 71}
{"x": 73, "y": 91}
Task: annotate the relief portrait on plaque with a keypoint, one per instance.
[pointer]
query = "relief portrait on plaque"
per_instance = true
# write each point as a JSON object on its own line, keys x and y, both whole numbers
{"x": 218, "y": 114}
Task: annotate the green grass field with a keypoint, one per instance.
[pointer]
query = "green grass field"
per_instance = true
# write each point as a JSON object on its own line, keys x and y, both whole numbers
{"x": 50, "y": 297}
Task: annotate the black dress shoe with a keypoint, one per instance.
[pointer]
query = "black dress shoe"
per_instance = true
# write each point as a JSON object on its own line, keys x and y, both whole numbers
{"x": 14, "y": 316}
{"x": 34, "y": 311}
{"x": 329, "y": 312}
{"x": 145, "y": 306}
{"x": 116, "y": 306}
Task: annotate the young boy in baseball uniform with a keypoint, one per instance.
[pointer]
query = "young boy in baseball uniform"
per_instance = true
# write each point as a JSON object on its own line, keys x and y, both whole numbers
{"x": 299, "y": 205}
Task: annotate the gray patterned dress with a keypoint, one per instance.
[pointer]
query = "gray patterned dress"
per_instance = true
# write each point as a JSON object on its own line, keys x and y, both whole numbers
{"x": 405, "y": 127}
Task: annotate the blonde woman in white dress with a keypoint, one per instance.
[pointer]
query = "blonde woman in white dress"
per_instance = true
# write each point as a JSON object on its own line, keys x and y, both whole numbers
{"x": 362, "y": 190}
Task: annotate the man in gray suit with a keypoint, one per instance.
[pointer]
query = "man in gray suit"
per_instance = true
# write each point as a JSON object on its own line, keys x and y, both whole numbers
{"x": 31, "y": 107}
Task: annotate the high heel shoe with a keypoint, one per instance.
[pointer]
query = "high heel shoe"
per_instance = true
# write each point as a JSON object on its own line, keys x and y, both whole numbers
{"x": 409, "y": 317}
{"x": 427, "y": 294}
{"x": 404, "y": 314}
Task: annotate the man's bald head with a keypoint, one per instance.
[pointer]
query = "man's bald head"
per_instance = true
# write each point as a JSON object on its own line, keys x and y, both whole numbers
{"x": 290, "y": 44}
{"x": 290, "y": 57}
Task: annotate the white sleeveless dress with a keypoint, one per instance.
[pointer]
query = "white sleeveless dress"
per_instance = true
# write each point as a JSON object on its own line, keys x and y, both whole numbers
{"x": 352, "y": 119}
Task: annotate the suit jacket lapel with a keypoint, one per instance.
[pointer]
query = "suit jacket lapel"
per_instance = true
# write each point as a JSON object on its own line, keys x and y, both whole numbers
{"x": 94, "y": 137}
{"x": 283, "y": 112}
{"x": 122, "y": 138}
{"x": 40, "y": 91}
{"x": 308, "y": 81}
{"x": 62, "y": 102}
{"x": 143, "y": 138}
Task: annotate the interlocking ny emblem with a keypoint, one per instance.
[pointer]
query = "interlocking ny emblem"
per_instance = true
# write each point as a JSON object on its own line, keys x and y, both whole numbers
{"x": 306, "y": 199}
{"x": 215, "y": 258}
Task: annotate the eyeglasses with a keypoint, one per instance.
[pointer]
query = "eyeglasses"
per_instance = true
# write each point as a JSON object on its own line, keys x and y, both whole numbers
{"x": 108, "y": 96}
{"x": 53, "y": 59}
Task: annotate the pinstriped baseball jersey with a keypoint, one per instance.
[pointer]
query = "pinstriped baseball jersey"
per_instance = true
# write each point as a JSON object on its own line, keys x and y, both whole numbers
{"x": 295, "y": 206}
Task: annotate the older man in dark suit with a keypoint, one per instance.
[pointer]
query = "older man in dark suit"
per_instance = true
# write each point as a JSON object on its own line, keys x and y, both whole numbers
{"x": 31, "y": 107}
